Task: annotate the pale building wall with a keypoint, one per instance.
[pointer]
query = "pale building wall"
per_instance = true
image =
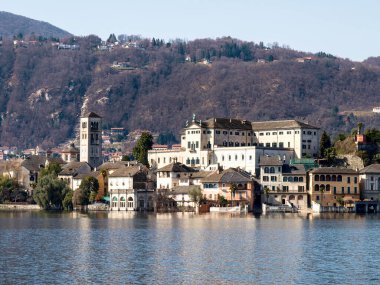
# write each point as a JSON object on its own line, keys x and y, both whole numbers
{"x": 91, "y": 140}
{"x": 370, "y": 186}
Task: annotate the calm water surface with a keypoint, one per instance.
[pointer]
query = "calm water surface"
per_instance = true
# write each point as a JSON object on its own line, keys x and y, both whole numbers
{"x": 129, "y": 248}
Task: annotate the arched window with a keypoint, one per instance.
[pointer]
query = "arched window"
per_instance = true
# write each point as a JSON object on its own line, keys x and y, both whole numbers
{"x": 292, "y": 197}
{"x": 188, "y": 161}
{"x": 328, "y": 177}
{"x": 192, "y": 161}
{"x": 130, "y": 202}
{"x": 316, "y": 177}
{"x": 266, "y": 169}
{"x": 271, "y": 170}
{"x": 322, "y": 178}
{"x": 328, "y": 187}
{"x": 295, "y": 179}
{"x": 122, "y": 202}
{"x": 290, "y": 179}
{"x": 300, "y": 197}
{"x": 197, "y": 161}
{"x": 285, "y": 179}
{"x": 316, "y": 187}
{"x": 300, "y": 179}
{"x": 339, "y": 178}
{"x": 114, "y": 201}
{"x": 333, "y": 178}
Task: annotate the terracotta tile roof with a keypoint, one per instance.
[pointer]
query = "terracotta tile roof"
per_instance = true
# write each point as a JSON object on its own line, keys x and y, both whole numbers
{"x": 34, "y": 163}
{"x": 373, "y": 168}
{"x": 283, "y": 124}
{"x": 225, "y": 123}
{"x": 230, "y": 175}
{"x": 270, "y": 160}
{"x": 333, "y": 170}
{"x": 72, "y": 168}
{"x": 176, "y": 167}
{"x": 129, "y": 171}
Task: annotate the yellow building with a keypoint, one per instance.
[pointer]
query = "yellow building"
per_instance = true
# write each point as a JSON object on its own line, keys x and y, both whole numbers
{"x": 333, "y": 186}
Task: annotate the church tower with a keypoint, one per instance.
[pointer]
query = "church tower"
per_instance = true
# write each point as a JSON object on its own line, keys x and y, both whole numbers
{"x": 91, "y": 139}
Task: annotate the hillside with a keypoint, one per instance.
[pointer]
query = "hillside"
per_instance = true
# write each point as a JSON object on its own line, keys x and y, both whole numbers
{"x": 149, "y": 84}
{"x": 14, "y": 25}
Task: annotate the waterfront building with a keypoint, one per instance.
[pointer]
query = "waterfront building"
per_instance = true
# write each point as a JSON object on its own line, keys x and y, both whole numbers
{"x": 370, "y": 182}
{"x": 333, "y": 186}
{"x": 177, "y": 180}
{"x": 131, "y": 188}
{"x": 235, "y": 185}
{"x": 235, "y": 143}
{"x": 283, "y": 183}
{"x": 301, "y": 137}
{"x": 91, "y": 139}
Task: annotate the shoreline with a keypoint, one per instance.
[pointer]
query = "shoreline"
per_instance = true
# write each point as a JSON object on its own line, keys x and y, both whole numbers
{"x": 19, "y": 207}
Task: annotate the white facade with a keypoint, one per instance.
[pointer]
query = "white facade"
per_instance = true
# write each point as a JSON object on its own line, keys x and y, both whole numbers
{"x": 91, "y": 139}
{"x": 280, "y": 187}
{"x": 370, "y": 182}
{"x": 239, "y": 143}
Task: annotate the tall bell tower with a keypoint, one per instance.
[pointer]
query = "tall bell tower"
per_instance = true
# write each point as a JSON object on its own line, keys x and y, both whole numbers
{"x": 91, "y": 139}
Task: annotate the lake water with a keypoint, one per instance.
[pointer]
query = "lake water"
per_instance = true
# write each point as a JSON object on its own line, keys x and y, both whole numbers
{"x": 131, "y": 248}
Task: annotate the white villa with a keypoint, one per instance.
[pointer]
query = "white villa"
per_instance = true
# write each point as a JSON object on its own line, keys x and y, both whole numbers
{"x": 238, "y": 143}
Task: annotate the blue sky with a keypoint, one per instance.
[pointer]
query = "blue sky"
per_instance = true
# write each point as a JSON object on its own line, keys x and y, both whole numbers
{"x": 346, "y": 28}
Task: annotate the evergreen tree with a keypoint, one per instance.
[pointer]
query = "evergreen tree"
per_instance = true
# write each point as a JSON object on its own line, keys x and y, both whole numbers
{"x": 325, "y": 143}
{"x": 50, "y": 192}
{"x": 140, "y": 151}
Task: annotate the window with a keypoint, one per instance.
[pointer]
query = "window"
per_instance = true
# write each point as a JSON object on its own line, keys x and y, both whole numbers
{"x": 266, "y": 178}
{"x": 197, "y": 144}
{"x": 322, "y": 178}
{"x": 267, "y": 133}
{"x": 285, "y": 179}
{"x": 288, "y": 132}
{"x": 229, "y": 158}
{"x": 236, "y": 158}
{"x": 281, "y": 145}
{"x": 300, "y": 179}
{"x": 237, "y": 133}
{"x": 285, "y": 188}
{"x": 316, "y": 177}
{"x": 334, "y": 190}
{"x": 217, "y": 132}
{"x": 274, "y": 144}
{"x": 280, "y": 133}
{"x": 355, "y": 180}
{"x": 274, "y": 133}
{"x": 355, "y": 190}
{"x": 250, "y": 157}
{"x": 242, "y": 157}
{"x": 348, "y": 179}
{"x": 222, "y": 157}
{"x": 348, "y": 190}
{"x": 342, "y": 190}
{"x": 267, "y": 144}
{"x": 339, "y": 178}
{"x": 225, "y": 133}
{"x": 261, "y": 134}
{"x": 303, "y": 146}
{"x": 273, "y": 178}
{"x": 272, "y": 170}
{"x": 84, "y": 125}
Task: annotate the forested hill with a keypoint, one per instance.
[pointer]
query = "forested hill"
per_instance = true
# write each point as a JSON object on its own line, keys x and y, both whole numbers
{"x": 19, "y": 26}
{"x": 149, "y": 84}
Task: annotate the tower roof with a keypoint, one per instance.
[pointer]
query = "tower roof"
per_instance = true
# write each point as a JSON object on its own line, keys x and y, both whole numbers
{"x": 91, "y": 115}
